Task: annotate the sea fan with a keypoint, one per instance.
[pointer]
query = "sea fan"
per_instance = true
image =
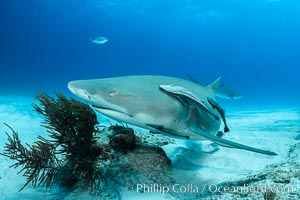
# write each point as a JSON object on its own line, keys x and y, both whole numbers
{"x": 71, "y": 155}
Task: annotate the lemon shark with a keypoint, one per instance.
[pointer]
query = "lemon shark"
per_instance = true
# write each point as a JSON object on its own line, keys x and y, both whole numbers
{"x": 166, "y": 105}
{"x": 222, "y": 91}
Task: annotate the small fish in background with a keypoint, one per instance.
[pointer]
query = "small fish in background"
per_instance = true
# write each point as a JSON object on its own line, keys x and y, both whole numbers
{"x": 99, "y": 40}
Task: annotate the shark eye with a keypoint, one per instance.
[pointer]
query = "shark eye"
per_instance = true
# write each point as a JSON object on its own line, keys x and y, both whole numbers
{"x": 112, "y": 93}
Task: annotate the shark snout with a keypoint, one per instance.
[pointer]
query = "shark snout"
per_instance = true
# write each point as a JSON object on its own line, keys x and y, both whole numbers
{"x": 82, "y": 93}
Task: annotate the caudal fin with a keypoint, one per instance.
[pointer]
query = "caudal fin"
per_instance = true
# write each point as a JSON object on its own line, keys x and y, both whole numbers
{"x": 227, "y": 143}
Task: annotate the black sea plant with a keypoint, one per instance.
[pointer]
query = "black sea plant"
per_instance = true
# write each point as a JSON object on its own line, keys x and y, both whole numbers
{"x": 71, "y": 154}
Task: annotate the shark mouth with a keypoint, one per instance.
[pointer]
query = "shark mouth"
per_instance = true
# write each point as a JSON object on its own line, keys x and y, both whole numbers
{"x": 109, "y": 109}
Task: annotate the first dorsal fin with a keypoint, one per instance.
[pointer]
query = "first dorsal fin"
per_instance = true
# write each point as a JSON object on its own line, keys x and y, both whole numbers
{"x": 214, "y": 85}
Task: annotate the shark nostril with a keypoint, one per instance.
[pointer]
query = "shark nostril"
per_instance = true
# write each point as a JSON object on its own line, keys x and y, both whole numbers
{"x": 87, "y": 95}
{"x": 112, "y": 93}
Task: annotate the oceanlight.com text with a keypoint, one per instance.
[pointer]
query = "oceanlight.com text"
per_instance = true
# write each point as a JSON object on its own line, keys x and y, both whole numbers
{"x": 206, "y": 188}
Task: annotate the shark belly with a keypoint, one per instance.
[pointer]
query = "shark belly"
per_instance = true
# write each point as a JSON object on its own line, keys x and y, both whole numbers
{"x": 169, "y": 116}
{"x": 197, "y": 121}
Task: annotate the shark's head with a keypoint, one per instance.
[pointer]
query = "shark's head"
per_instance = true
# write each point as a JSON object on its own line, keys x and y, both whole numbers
{"x": 102, "y": 95}
{"x": 134, "y": 100}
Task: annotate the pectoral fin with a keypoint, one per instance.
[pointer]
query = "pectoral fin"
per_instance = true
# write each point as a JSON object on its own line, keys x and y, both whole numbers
{"x": 162, "y": 130}
{"x": 227, "y": 143}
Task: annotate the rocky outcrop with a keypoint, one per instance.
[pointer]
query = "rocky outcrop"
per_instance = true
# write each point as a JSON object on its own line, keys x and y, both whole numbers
{"x": 277, "y": 181}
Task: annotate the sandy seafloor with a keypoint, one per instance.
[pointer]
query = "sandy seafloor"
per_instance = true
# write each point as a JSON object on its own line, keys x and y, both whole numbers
{"x": 275, "y": 129}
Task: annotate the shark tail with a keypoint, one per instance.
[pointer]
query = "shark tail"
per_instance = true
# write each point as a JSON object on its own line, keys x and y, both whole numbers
{"x": 230, "y": 144}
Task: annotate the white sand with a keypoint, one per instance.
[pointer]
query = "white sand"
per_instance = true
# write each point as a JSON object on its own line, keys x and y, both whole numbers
{"x": 273, "y": 130}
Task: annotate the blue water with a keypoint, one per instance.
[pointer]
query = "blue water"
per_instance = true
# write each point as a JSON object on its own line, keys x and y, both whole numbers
{"x": 253, "y": 44}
